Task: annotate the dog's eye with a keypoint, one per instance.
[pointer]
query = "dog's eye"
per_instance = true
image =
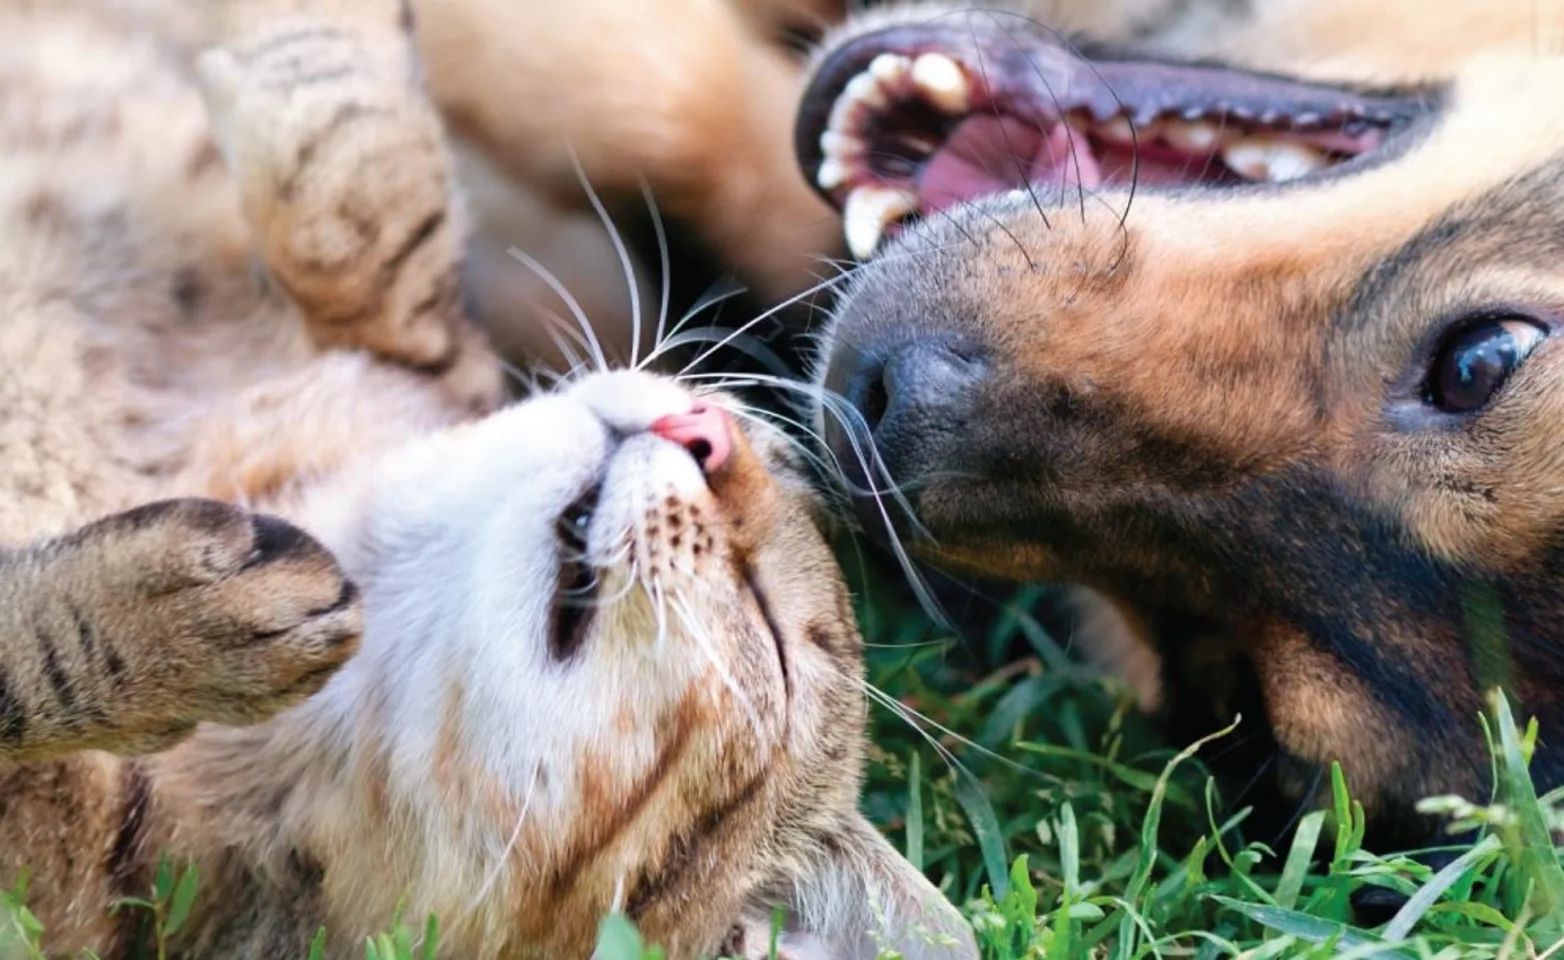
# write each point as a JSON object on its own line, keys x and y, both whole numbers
{"x": 1473, "y": 364}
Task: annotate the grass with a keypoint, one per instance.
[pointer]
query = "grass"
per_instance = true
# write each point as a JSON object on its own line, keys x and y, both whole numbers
{"x": 1069, "y": 830}
{"x": 1065, "y": 828}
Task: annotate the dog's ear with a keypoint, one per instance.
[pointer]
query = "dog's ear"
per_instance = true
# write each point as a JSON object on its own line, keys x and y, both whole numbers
{"x": 856, "y": 898}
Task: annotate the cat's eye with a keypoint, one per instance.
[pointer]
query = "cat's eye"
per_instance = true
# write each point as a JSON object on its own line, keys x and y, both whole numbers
{"x": 575, "y": 594}
{"x": 576, "y": 519}
{"x": 1474, "y": 363}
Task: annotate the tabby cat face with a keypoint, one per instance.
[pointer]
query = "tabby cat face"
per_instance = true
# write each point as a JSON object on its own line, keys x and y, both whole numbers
{"x": 604, "y": 634}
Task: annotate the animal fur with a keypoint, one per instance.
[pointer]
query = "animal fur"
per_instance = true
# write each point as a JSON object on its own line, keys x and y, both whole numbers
{"x": 1216, "y": 402}
{"x": 230, "y": 280}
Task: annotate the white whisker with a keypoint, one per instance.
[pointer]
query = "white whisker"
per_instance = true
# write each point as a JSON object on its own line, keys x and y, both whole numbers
{"x": 909, "y": 715}
{"x": 718, "y": 293}
{"x": 547, "y": 276}
{"x": 761, "y": 317}
{"x": 620, "y": 249}
{"x": 667, "y": 270}
{"x": 698, "y": 632}
{"x": 510, "y": 845}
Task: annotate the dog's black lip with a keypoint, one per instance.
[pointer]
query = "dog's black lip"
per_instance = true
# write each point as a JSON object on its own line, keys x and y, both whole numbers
{"x": 1119, "y": 80}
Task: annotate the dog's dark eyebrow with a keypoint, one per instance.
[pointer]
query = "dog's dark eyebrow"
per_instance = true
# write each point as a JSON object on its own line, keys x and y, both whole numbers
{"x": 1513, "y": 222}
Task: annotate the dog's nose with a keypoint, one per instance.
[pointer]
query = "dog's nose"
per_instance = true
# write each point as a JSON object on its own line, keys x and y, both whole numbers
{"x": 706, "y": 431}
{"x": 907, "y": 396}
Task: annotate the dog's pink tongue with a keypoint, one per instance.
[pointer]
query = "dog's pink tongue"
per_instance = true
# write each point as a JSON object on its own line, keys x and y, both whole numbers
{"x": 986, "y": 155}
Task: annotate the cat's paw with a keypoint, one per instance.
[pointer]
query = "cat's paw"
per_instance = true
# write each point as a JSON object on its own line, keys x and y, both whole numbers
{"x": 345, "y": 180}
{"x": 196, "y": 610}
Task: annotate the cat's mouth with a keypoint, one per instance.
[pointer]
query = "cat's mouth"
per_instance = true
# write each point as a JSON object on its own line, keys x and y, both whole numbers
{"x": 907, "y": 121}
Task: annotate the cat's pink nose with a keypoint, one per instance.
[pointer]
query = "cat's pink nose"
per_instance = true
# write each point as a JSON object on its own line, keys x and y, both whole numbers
{"x": 705, "y": 431}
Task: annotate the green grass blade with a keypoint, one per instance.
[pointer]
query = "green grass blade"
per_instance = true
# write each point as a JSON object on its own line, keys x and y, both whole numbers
{"x": 617, "y": 939}
{"x": 1304, "y": 842}
{"x": 915, "y": 811}
{"x": 1150, "y": 828}
{"x": 163, "y": 880}
{"x": 431, "y": 938}
{"x": 1536, "y": 857}
{"x": 1306, "y": 927}
{"x": 1070, "y": 866}
{"x": 179, "y": 904}
{"x": 985, "y": 824}
{"x": 1138, "y": 779}
{"x": 1400, "y": 926}
{"x": 1069, "y": 850}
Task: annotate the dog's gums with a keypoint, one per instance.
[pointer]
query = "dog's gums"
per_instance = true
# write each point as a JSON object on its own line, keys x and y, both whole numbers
{"x": 906, "y": 121}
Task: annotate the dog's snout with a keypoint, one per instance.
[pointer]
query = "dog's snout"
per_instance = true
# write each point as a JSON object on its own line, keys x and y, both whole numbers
{"x": 901, "y": 400}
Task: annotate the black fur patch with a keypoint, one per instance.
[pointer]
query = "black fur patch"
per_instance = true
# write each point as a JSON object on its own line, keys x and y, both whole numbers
{"x": 13, "y": 714}
{"x": 274, "y": 538}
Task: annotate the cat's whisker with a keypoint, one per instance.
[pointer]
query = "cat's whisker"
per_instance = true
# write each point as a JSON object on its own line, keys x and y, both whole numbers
{"x": 500, "y": 862}
{"x": 761, "y": 318}
{"x": 718, "y": 293}
{"x": 659, "y": 597}
{"x": 917, "y": 719}
{"x": 631, "y": 582}
{"x": 625, "y": 262}
{"x": 561, "y": 291}
{"x": 692, "y": 625}
{"x": 763, "y": 416}
{"x": 555, "y": 377}
{"x": 514, "y": 372}
{"x": 834, "y": 403}
{"x": 907, "y": 716}
{"x": 557, "y": 329}
{"x": 667, "y": 269}
{"x": 745, "y": 343}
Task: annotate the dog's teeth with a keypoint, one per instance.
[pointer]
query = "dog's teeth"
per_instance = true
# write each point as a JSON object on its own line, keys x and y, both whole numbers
{"x": 844, "y": 112}
{"x": 865, "y": 89}
{"x": 1276, "y": 161}
{"x": 1197, "y": 137}
{"x": 866, "y": 214}
{"x": 832, "y": 173}
{"x": 1116, "y": 130}
{"x": 890, "y": 68}
{"x": 1147, "y": 116}
{"x": 942, "y": 83}
{"x": 834, "y": 143}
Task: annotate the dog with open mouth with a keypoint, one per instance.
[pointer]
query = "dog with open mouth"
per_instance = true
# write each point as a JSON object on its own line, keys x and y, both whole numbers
{"x": 1267, "y": 362}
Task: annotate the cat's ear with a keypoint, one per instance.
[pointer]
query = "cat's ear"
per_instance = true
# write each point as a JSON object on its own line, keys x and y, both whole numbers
{"x": 856, "y": 898}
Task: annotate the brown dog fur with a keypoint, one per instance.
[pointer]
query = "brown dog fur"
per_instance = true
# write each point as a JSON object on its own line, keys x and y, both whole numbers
{"x": 1207, "y": 404}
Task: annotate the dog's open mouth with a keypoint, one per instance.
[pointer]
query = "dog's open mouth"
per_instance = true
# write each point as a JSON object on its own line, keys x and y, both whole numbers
{"x": 909, "y": 120}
